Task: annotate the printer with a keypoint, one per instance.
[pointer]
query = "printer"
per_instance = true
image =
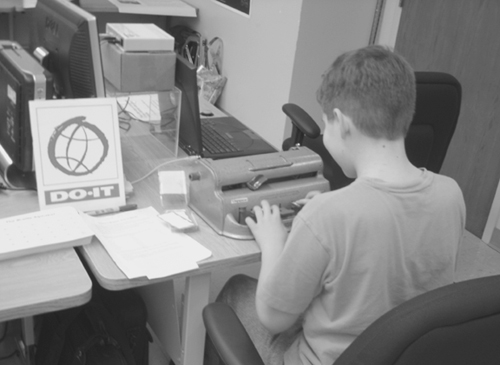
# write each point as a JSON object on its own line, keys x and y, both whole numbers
{"x": 223, "y": 192}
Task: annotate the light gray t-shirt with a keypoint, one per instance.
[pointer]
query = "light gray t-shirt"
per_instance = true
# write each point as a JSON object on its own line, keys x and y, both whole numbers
{"x": 356, "y": 252}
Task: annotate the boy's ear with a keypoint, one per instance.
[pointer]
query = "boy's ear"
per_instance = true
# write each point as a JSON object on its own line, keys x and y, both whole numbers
{"x": 345, "y": 123}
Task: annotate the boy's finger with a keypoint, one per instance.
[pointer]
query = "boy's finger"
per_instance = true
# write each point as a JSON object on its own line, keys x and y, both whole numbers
{"x": 275, "y": 210}
{"x": 265, "y": 206}
{"x": 257, "y": 211}
{"x": 250, "y": 223}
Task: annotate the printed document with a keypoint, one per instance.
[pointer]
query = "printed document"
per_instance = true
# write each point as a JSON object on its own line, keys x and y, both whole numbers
{"x": 142, "y": 245}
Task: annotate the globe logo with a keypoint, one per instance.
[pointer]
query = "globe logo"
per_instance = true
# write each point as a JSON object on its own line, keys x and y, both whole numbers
{"x": 77, "y": 147}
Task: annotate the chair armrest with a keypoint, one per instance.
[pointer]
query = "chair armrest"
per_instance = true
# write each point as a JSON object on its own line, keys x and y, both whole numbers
{"x": 228, "y": 336}
{"x": 302, "y": 122}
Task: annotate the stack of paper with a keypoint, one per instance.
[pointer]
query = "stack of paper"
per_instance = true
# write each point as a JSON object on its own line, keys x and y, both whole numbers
{"x": 41, "y": 231}
{"x": 141, "y": 245}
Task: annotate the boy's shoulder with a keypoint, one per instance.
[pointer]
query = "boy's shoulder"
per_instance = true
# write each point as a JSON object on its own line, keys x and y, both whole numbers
{"x": 364, "y": 194}
{"x": 339, "y": 201}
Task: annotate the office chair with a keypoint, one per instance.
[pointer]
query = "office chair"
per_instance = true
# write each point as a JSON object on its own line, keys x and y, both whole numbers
{"x": 437, "y": 108}
{"x": 458, "y": 324}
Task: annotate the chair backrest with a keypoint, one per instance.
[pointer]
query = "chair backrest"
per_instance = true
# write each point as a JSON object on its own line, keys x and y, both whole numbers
{"x": 456, "y": 324}
{"x": 437, "y": 109}
{"x": 439, "y": 96}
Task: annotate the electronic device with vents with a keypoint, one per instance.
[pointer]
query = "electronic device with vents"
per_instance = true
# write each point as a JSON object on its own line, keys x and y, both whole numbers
{"x": 67, "y": 44}
{"x": 22, "y": 79}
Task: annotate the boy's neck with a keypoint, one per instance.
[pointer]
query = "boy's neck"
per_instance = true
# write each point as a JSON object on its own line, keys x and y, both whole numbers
{"x": 385, "y": 160}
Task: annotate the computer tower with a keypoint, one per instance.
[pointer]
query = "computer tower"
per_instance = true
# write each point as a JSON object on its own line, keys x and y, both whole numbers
{"x": 22, "y": 78}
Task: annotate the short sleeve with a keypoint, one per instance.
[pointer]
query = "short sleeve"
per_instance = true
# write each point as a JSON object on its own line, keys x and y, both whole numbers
{"x": 297, "y": 277}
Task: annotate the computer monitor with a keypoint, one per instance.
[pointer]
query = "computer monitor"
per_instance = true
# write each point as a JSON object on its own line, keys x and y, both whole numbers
{"x": 67, "y": 43}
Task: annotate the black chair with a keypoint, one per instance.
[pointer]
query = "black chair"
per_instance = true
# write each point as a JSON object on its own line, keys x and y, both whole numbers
{"x": 458, "y": 324}
{"x": 439, "y": 97}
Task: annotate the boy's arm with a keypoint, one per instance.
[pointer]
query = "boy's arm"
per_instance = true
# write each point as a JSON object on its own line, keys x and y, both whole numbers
{"x": 270, "y": 235}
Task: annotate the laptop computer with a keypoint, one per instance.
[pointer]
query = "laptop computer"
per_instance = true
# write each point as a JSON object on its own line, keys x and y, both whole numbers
{"x": 211, "y": 137}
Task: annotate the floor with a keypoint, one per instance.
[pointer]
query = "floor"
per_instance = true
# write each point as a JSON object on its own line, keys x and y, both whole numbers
{"x": 476, "y": 259}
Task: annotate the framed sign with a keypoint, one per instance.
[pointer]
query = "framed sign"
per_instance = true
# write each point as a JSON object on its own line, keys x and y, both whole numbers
{"x": 240, "y": 6}
{"x": 77, "y": 152}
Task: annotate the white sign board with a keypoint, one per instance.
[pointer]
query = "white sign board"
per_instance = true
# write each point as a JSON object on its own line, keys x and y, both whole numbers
{"x": 77, "y": 152}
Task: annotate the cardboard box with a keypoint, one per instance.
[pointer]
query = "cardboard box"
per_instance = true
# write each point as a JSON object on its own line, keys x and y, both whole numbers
{"x": 138, "y": 71}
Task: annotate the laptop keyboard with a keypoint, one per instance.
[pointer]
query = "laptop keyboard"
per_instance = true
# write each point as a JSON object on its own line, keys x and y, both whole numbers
{"x": 213, "y": 142}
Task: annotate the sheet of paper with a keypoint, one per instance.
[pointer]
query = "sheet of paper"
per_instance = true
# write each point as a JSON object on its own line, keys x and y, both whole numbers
{"x": 42, "y": 231}
{"x": 142, "y": 245}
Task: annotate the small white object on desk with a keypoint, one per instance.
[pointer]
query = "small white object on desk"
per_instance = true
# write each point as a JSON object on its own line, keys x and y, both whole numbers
{"x": 180, "y": 220}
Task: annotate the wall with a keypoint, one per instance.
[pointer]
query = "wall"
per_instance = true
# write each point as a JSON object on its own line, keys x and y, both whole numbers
{"x": 327, "y": 29}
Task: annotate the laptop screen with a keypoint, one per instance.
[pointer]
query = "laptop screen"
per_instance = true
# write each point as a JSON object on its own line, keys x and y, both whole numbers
{"x": 189, "y": 130}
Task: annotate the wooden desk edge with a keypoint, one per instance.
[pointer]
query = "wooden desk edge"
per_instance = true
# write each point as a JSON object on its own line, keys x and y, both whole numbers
{"x": 48, "y": 306}
{"x": 116, "y": 280}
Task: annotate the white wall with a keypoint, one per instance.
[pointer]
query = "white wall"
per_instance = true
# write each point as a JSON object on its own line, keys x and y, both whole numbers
{"x": 328, "y": 28}
{"x": 259, "y": 53}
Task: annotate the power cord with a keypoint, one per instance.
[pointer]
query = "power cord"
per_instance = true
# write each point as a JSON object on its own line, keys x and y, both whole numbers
{"x": 104, "y": 37}
{"x": 163, "y": 164}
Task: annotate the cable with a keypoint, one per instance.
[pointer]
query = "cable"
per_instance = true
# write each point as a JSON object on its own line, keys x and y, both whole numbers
{"x": 163, "y": 164}
{"x": 104, "y": 37}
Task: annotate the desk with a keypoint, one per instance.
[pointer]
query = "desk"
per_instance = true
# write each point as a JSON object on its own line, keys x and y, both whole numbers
{"x": 184, "y": 341}
{"x": 38, "y": 283}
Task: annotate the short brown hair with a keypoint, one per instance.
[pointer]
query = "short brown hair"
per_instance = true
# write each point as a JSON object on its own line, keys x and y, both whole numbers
{"x": 375, "y": 87}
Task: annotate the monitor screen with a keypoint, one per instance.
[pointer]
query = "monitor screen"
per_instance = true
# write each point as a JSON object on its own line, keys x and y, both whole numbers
{"x": 67, "y": 43}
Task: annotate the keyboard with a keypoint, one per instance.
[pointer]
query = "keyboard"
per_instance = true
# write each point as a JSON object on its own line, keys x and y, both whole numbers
{"x": 213, "y": 142}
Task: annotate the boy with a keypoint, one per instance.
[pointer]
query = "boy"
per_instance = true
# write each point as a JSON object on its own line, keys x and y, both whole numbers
{"x": 354, "y": 253}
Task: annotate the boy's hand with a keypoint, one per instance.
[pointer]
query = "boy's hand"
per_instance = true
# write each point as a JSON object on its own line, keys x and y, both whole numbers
{"x": 268, "y": 229}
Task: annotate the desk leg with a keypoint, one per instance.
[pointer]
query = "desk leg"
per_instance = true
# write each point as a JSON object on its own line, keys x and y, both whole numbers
{"x": 162, "y": 316}
{"x": 196, "y": 297}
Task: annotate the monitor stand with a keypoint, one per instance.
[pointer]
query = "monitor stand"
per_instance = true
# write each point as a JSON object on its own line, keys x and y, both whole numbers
{"x": 12, "y": 176}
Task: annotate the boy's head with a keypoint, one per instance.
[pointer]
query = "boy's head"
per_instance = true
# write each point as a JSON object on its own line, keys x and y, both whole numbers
{"x": 375, "y": 87}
